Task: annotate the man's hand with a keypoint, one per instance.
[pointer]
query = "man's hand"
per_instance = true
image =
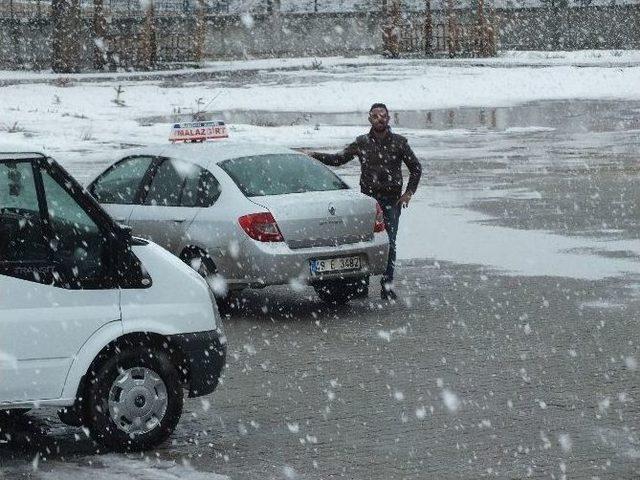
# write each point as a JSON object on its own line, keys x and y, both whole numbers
{"x": 305, "y": 151}
{"x": 404, "y": 199}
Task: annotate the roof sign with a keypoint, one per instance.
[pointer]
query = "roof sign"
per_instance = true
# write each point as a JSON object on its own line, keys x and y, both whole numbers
{"x": 198, "y": 131}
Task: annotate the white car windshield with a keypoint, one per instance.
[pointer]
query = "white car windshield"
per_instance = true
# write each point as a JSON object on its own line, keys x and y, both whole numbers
{"x": 280, "y": 174}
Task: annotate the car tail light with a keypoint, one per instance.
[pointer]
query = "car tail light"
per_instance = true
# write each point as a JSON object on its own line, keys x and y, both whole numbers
{"x": 261, "y": 227}
{"x": 378, "y": 226}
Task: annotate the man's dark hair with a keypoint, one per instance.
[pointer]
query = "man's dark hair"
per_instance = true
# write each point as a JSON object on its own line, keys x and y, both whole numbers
{"x": 378, "y": 105}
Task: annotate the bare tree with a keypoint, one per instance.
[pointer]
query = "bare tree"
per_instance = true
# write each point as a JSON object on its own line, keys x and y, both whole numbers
{"x": 15, "y": 35}
{"x": 65, "y": 16}
{"x": 391, "y": 29}
{"x": 556, "y": 12}
{"x": 201, "y": 30}
{"x": 273, "y": 6}
{"x": 147, "y": 45}
{"x": 453, "y": 37}
{"x": 99, "y": 35}
{"x": 428, "y": 28}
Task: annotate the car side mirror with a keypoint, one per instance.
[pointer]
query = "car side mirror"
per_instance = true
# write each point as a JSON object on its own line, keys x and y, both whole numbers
{"x": 130, "y": 272}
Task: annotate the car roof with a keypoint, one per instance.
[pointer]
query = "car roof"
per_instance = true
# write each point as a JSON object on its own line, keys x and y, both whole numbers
{"x": 16, "y": 151}
{"x": 205, "y": 153}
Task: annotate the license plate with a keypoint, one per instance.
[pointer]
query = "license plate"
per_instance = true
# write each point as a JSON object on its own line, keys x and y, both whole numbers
{"x": 340, "y": 264}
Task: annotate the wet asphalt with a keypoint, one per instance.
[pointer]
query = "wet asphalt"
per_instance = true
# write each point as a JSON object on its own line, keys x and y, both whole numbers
{"x": 473, "y": 373}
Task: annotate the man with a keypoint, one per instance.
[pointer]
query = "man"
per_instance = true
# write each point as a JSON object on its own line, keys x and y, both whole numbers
{"x": 381, "y": 153}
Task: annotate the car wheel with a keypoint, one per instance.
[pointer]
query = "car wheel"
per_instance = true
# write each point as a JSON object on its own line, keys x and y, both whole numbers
{"x": 200, "y": 261}
{"x": 13, "y": 413}
{"x": 135, "y": 400}
{"x": 339, "y": 292}
{"x": 203, "y": 264}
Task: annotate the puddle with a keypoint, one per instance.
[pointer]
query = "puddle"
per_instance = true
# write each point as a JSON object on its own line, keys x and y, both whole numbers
{"x": 542, "y": 189}
{"x": 568, "y": 116}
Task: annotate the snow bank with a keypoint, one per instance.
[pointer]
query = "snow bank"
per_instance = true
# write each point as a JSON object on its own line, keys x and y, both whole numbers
{"x": 430, "y": 230}
{"x": 117, "y": 467}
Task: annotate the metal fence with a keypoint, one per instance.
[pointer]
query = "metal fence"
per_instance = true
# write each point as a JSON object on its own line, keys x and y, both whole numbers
{"x": 24, "y": 9}
{"x": 26, "y": 31}
{"x": 42, "y": 8}
{"x": 412, "y": 38}
{"x": 118, "y": 8}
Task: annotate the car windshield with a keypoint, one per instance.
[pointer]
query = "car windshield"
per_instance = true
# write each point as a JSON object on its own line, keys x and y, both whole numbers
{"x": 280, "y": 174}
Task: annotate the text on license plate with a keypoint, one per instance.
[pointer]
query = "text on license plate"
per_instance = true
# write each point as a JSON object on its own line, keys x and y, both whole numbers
{"x": 335, "y": 264}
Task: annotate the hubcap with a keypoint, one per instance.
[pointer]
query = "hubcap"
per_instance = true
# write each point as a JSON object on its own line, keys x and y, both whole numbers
{"x": 138, "y": 400}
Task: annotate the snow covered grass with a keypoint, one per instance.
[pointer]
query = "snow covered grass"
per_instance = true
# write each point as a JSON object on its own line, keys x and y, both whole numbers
{"x": 516, "y": 58}
{"x": 205, "y": 67}
{"x": 579, "y": 57}
{"x": 346, "y": 85}
{"x": 57, "y": 116}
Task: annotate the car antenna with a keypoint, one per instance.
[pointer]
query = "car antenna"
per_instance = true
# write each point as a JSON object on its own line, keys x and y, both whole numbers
{"x": 203, "y": 108}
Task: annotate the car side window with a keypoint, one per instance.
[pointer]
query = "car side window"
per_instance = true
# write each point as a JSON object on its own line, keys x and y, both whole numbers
{"x": 22, "y": 236}
{"x": 167, "y": 183}
{"x": 200, "y": 190}
{"x": 121, "y": 183}
{"x": 78, "y": 244}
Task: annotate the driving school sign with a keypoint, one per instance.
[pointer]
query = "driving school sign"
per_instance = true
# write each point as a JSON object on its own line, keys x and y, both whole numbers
{"x": 198, "y": 131}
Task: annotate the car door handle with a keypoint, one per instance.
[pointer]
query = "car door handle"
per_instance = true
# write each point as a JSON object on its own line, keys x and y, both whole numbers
{"x": 179, "y": 220}
{"x": 120, "y": 220}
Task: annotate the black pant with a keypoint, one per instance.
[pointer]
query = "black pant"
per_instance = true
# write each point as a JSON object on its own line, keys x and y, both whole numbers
{"x": 391, "y": 210}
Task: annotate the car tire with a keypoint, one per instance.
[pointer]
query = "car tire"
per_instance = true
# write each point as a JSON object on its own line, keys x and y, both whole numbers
{"x": 206, "y": 268}
{"x": 72, "y": 416}
{"x": 339, "y": 292}
{"x": 13, "y": 413}
{"x": 135, "y": 400}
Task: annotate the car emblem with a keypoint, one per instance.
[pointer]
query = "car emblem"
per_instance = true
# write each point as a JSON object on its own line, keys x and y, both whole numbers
{"x": 332, "y": 209}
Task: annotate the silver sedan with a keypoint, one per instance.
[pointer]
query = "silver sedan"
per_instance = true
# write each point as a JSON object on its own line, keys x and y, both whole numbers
{"x": 248, "y": 215}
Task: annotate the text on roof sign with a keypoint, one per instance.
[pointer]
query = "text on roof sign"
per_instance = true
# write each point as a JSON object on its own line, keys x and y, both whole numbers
{"x": 198, "y": 131}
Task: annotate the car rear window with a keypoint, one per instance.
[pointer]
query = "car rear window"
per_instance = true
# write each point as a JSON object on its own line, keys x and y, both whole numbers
{"x": 280, "y": 174}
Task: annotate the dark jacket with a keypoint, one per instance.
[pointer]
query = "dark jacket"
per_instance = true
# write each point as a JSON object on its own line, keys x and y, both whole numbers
{"x": 381, "y": 163}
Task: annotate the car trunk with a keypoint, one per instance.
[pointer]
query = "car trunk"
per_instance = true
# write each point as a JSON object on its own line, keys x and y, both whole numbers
{"x": 319, "y": 219}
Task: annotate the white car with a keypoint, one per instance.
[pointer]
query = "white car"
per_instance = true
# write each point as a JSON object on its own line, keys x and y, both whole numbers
{"x": 256, "y": 215}
{"x": 110, "y": 327}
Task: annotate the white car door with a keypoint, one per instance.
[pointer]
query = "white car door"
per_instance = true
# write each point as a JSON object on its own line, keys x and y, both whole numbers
{"x": 50, "y": 250}
{"x": 169, "y": 205}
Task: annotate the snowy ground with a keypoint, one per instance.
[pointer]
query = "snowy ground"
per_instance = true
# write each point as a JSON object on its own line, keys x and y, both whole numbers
{"x": 76, "y": 119}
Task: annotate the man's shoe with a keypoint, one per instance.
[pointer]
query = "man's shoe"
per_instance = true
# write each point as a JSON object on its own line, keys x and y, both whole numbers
{"x": 387, "y": 293}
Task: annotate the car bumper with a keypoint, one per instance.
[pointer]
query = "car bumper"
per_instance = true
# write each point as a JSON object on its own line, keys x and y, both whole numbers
{"x": 205, "y": 356}
{"x": 274, "y": 263}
